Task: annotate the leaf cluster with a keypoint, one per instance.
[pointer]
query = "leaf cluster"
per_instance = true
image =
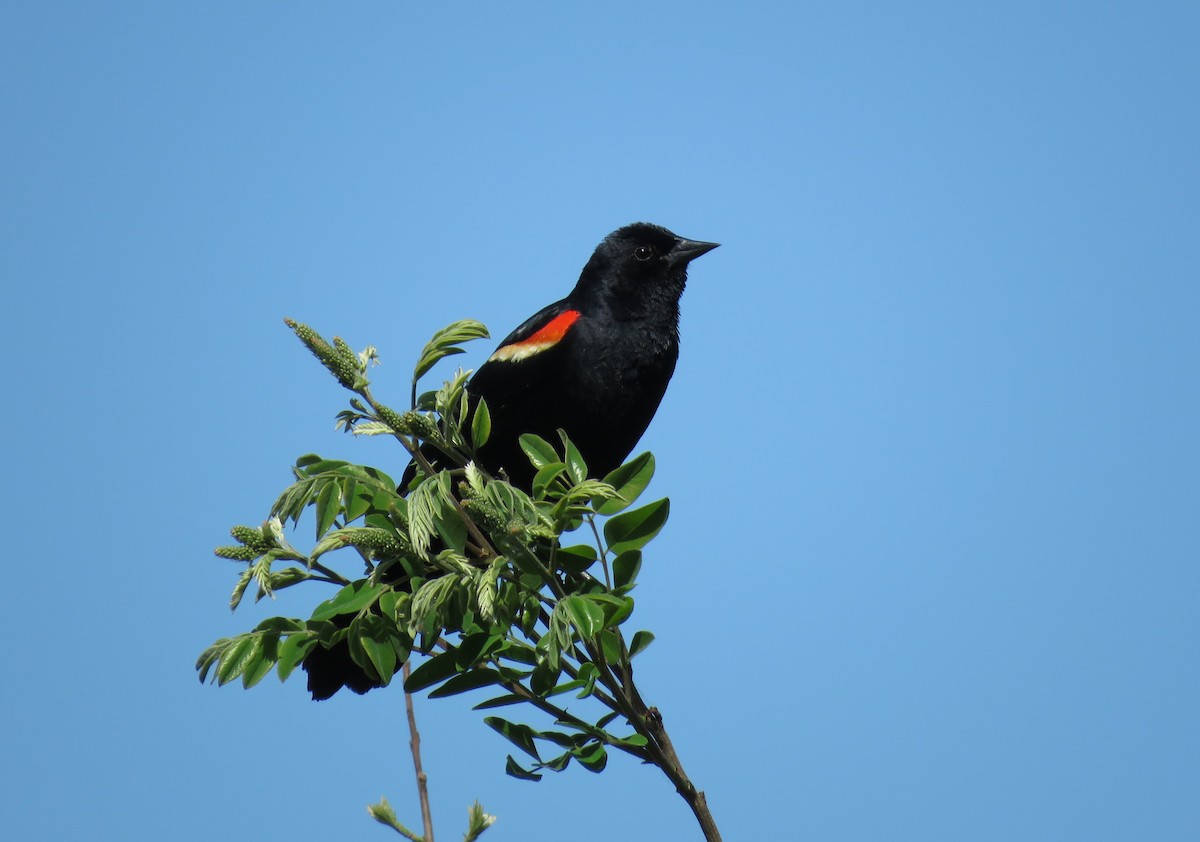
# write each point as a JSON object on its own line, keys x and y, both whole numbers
{"x": 481, "y": 582}
{"x": 477, "y": 821}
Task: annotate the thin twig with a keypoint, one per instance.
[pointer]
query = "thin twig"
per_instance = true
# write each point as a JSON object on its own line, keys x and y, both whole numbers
{"x": 591, "y": 519}
{"x": 415, "y": 744}
{"x": 333, "y": 575}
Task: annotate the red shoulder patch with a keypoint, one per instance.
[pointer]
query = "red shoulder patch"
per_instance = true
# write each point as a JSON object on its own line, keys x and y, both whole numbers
{"x": 545, "y": 337}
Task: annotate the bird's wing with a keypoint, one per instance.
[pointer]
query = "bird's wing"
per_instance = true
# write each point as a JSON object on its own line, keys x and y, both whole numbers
{"x": 538, "y": 333}
{"x": 525, "y": 359}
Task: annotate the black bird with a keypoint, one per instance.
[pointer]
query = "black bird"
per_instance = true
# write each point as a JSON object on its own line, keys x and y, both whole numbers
{"x": 595, "y": 364}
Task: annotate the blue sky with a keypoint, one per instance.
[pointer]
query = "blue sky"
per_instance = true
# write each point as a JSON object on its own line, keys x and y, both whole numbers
{"x": 932, "y": 567}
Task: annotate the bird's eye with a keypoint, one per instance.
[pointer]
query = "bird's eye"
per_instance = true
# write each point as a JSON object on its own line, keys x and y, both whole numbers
{"x": 643, "y": 252}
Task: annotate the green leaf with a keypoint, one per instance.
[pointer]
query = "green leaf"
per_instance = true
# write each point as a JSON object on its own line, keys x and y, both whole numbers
{"x": 372, "y": 477}
{"x": 641, "y": 640}
{"x": 539, "y": 451}
{"x": 325, "y": 631}
{"x": 428, "y": 604}
{"x": 463, "y": 682}
{"x": 603, "y": 721}
{"x": 610, "y": 643}
{"x": 544, "y": 677}
{"x": 452, "y": 530}
{"x": 431, "y": 510}
{"x": 565, "y": 687}
{"x": 258, "y": 666}
{"x": 593, "y": 758}
{"x": 576, "y": 467}
{"x": 519, "y": 735}
{"x": 313, "y": 465}
{"x": 239, "y": 590}
{"x": 615, "y": 609}
{"x": 329, "y": 504}
{"x": 515, "y": 769}
{"x": 388, "y": 600}
{"x": 545, "y": 476}
{"x": 292, "y": 652}
{"x": 350, "y": 599}
{"x": 477, "y": 647}
{"x": 626, "y": 567}
{"x": 521, "y": 653}
{"x": 349, "y": 489}
{"x": 438, "y": 668}
{"x": 633, "y": 530}
{"x": 287, "y": 577}
{"x": 443, "y": 343}
{"x": 384, "y": 814}
{"x": 500, "y": 701}
{"x": 557, "y": 764}
{"x": 283, "y": 625}
{"x": 575, "y": 559}
{"x": 469, "y": 648}
{"x": 630, "y": 480}
{"x": 558, "y": 738}
{"x": 375, "y": 636}
{"x": 585, "y": 615}
{"x": 481, "y": 424}
{"x": 357, "y": 499}
{"x": 477, "y": 822}
{"x": 558, "y": 633}
{"x": 588, "y": 672}
{"x": 371, "y": 428}
{"x": 237, "y": 656}
{"x": 208, "y": 658}
{"x": 382, "y": 656}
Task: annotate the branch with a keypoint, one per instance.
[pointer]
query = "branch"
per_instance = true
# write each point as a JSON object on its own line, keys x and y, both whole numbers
{"x": 415, "y": 745}
{"x": 674, "y": 770}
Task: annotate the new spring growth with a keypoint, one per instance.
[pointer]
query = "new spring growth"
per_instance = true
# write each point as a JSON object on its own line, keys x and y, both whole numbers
{"x": 252, "y": 537}
{"x": 377, "y": 542}
{"x": 237, "y": 553}
{"x": 340, "y": 360}
{"x": 410, "y": 423}
{"x": 253, "y": 543}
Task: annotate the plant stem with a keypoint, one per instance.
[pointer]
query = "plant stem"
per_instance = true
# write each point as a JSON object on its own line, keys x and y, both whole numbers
{"x": 333, "y": 575}
{"x": 591, "y": 519}
{"x": 667, "y": 760}
{"x": 647, "y": 721}
{"x": 415, "y": 745}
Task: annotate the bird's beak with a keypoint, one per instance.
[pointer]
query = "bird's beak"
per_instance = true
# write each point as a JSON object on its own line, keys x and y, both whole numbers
{"x": 685, "y": 251}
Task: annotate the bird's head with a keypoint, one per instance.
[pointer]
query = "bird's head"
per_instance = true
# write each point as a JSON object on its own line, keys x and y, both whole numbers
{"x": 638, "y": 267}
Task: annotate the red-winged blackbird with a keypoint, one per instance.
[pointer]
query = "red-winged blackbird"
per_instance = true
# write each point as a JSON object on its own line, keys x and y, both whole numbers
{"x": 595, "y": 364}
